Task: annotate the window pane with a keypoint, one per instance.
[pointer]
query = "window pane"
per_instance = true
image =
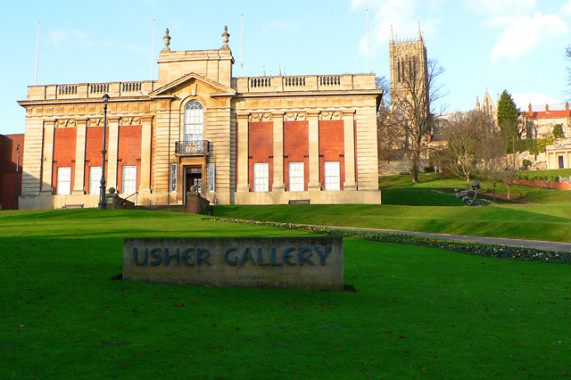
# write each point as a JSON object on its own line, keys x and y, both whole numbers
{"x": 332, "y": 178}
{"x": 193, "y": 121}
{"x": 63, "y": 186}
{"x": 129, "y": 185}
{"x": 261, "y": 177}
{"x": 94, "y": 179}
{"x": 296, "y": 176}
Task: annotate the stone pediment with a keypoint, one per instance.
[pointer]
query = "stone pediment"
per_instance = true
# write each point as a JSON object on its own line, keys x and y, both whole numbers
{"x": 188, "y": 79}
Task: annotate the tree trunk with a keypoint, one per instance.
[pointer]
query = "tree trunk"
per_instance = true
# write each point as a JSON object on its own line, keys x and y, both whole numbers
{"x": 414, "y": 169}
{"x": 494, "y": 191}
{"x": 508, "y": 186}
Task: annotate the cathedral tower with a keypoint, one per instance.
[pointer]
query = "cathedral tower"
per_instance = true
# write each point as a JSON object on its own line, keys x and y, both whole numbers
{"x": 408, "y": 60}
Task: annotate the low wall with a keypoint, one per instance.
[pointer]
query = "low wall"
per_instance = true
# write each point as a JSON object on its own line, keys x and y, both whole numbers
{"x": 544, "y": 184}
{"x": 273, "y": 262}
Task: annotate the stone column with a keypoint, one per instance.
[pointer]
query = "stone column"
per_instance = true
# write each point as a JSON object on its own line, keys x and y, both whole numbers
{"x": 278, "y": 184}
{"x": 349, "y": 150}
{"x": 243, "y": 186}
{"x": 48, "y": 158}
{"x": 79, "y": 182}
{"x": 146, "y": 140}
{"x": 112, "y": 152}
{"x": 314, "y": 183}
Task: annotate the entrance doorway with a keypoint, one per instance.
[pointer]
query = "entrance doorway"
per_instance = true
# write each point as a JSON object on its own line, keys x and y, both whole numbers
{"x": 193, "y": 177}
{"x": 561, "y": 166}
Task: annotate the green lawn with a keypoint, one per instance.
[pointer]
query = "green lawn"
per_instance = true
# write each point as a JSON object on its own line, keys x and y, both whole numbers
{"x": 416, "y": 311}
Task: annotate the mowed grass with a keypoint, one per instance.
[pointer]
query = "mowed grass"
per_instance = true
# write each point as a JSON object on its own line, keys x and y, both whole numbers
{"x": 416, "y": 311}
{"x": 431, "y": 206}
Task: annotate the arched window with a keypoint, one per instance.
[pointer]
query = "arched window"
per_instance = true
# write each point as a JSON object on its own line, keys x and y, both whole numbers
{"x": 193, "y": 121}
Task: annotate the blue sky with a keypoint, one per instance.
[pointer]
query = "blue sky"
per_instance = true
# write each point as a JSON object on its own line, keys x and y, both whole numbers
{"x": 518, "y": 45}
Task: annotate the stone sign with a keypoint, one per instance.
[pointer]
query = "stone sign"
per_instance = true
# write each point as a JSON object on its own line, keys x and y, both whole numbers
{"x": 272, "y": 262}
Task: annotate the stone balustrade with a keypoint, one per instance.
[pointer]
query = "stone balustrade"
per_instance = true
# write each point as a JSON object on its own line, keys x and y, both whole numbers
{"x": 242, "y": 85}
{"x": 90, "y": 90}
{"x": 304, "y": 83}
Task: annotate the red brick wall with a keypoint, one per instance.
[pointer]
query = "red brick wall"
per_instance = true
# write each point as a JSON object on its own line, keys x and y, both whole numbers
{"x": 331, "y": 147}
{"x": 64, "y": 153}
{"x": 261, "y": 149}
{"x": 545, "y": 184}
{"x": 296, "y": 148}
{"x": 129, "y": 153}
{"x": 93, "y": 145}
{"x": 8, "y": 159}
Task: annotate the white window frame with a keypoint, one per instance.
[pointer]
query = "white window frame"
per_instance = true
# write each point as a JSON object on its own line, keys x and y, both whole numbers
{"x": 332, "y": 175}
{"x": 261, "y": 176}
{"x": 211, "y": 177}
{"x": 296, "y": 176}
{"x": 63, "y": 184}
{"x": 174, "y": 177}
{"x": 193, "y": 122}
{"x": 129, "y": 185}
{"x": 94, "y": 179}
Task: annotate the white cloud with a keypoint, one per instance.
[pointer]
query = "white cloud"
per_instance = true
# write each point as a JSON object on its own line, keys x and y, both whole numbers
{"x": 523, "y": 34}
{"x": 566, "y": 10}
{"x": 61, "y": 37}
{"x": 283, "y": 25}
{"x": 523, "y": 100}
{"x": 401, "y": 15}
{"x": 521, "y": 27}
{"x": 501, "y": 8}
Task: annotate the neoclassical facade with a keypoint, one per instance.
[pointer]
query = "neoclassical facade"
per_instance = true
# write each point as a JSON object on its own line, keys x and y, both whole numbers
{"x": 244, "y": 140}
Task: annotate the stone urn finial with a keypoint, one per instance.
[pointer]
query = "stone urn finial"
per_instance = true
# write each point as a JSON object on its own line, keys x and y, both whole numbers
{"x": 167, "y": 40}
{"x": 225, "y": 36}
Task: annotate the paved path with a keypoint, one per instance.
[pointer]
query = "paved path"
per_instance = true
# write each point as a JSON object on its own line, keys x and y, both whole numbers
{"x": 537, "y": 244}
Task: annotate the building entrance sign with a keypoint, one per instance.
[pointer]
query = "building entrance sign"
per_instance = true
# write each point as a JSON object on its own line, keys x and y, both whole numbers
{"x": 278, "y": 262}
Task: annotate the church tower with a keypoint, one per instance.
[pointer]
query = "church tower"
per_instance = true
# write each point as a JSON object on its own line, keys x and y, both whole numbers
{"x": 407, "y": 57}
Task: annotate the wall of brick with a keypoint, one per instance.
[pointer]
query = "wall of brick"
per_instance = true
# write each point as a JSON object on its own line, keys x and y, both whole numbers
{"x": 545, "y": 184}
{"x": 64, "y": 153}
{"x": 331, "y": 147}
{"x": 8, "y": 159}
{"x": 129, "y": 152}
{"x": 260, "y": 149}
{"x": 296, "y": 148}
{"x": 94, "y": 143}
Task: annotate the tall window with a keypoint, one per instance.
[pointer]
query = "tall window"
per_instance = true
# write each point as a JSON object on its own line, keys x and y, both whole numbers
{"x": 63, "y": 186}
{"x": 94, "y": 179}
{"x": 129, "y": 185}
{"x": 332, "y": 178}
{"x": 193, "y": 121}
{"x": 261, "y": 182}
{"x": 296, "y": 176}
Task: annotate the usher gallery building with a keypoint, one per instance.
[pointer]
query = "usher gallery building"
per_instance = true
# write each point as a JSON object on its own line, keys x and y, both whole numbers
{"x": 238, "y": 140}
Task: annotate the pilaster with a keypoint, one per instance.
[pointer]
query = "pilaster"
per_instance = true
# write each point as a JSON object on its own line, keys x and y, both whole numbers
{"x": 48, "y": 157}
{"x": 79, "y": 183}
{"x": 146, "y": 145}
{"x": 112, "y": 152}
{"x": 243, "y": 186}
{"x": 349, "y": 150}
{"x": 314, "y": 183}
{"x": 278, "y": 184}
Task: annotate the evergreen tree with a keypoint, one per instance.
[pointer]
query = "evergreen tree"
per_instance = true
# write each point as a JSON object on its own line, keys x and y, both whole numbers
{"x": 508, "y": 116}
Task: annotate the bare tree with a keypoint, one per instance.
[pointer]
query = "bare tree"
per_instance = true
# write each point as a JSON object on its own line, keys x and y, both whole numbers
{"x": 467, "y": 134}
{"x": 390, "y": 134}
{"x": 411, "y": 105}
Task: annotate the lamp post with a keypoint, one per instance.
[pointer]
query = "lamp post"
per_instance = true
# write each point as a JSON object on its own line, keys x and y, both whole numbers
{"x": 17, "y": 175}
{"x": 102, "y": 200}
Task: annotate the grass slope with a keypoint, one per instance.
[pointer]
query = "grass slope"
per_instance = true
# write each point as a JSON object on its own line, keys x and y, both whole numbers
{"x": 431, "y": 206}
{"x": 416, "y": 311}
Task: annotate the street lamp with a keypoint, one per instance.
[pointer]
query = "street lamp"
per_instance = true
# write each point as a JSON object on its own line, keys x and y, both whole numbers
{"x": 17, "y": 174}
{"x": 102, "y": 200}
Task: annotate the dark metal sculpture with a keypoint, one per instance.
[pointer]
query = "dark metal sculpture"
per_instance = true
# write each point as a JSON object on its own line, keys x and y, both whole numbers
{"x": 465, "y": 194}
